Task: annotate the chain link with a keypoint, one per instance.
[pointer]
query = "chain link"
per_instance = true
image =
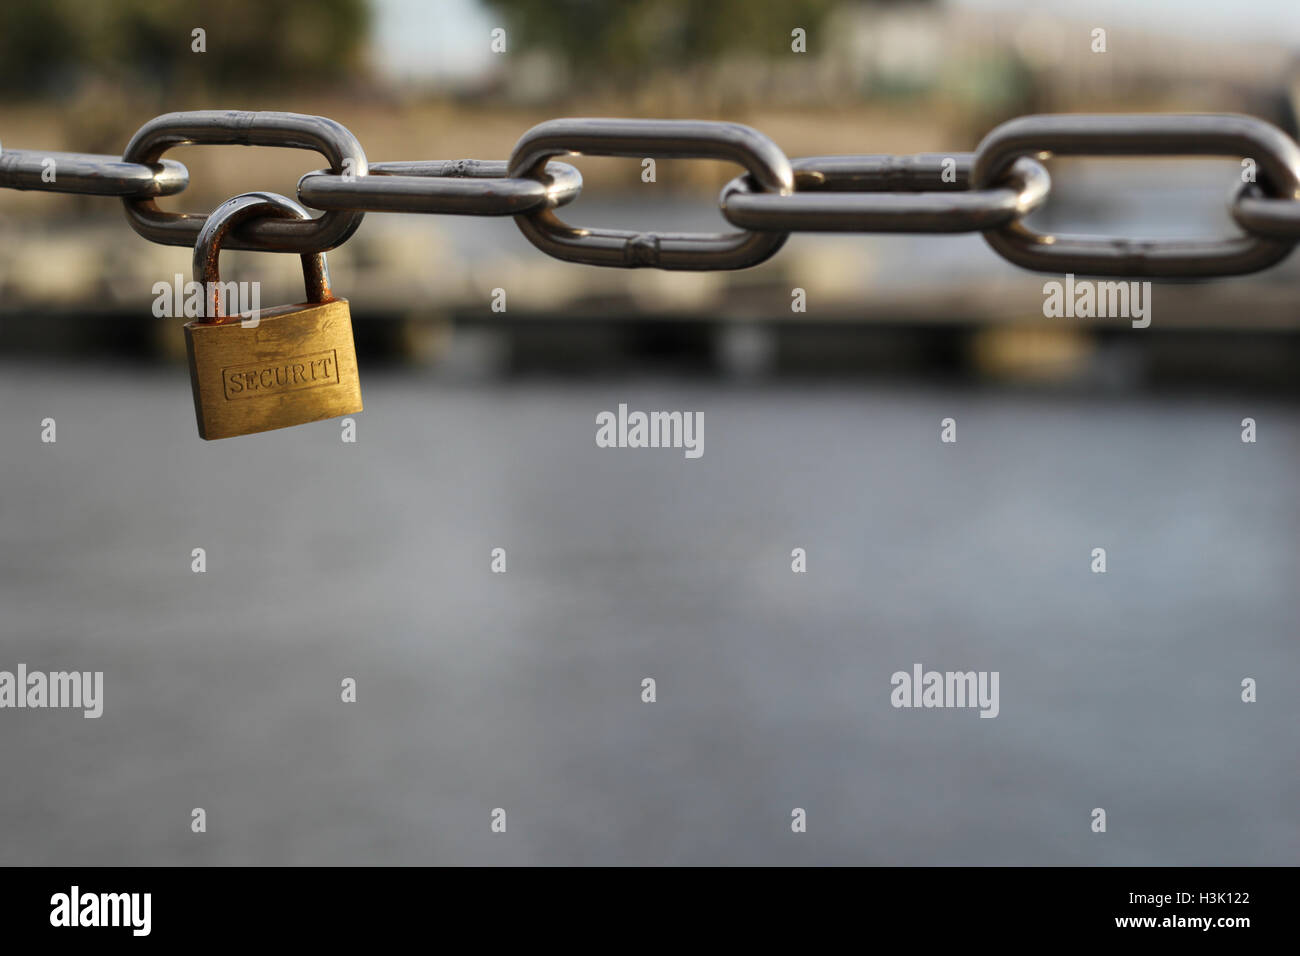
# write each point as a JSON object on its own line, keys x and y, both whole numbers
{"x": 1278, "y": 159}
{"x": 235, "y": 128}
{"x": 1261, "y": 216}
{"x": 90, "y": 175}
{"x": 990, "y": 191}
{"x": 462, "y": 187}
{"x": 923, "y": 193}
{"x": 679, "y": 139}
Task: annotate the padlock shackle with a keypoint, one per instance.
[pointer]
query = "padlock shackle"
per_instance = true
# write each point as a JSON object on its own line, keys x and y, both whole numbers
{"x": 228, "y": 216}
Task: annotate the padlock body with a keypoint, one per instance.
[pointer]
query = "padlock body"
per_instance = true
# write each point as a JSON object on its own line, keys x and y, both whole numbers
{"x": 297, "y": 365}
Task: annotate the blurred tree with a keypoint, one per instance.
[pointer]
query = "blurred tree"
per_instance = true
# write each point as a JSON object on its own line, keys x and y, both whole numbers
{"x": 625, "y": 41}
{"x": 53, "y": 45}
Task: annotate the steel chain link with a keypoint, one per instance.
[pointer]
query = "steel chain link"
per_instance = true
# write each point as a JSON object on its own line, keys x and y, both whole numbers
{"x": 990, "y": 190}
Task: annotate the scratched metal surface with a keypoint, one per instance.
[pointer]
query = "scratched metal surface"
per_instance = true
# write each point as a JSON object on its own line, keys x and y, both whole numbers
{"x": 522, "y": 690}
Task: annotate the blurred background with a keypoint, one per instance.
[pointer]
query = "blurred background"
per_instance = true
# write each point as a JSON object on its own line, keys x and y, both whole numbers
{"x": 522, "y": 690}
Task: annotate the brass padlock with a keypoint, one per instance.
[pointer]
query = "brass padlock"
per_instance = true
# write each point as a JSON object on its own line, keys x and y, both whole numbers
{"x": 284, "y": 366}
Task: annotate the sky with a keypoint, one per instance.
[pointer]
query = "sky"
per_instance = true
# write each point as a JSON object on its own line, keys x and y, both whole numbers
{"x": 433, "y": 39}
{"x": 448, "y": 39}
{"x": 1277, "y": 20}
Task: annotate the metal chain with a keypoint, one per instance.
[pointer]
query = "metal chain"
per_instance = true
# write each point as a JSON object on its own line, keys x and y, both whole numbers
{"x": 90, "y": 174}
{"x": 989, "y": 191}
{"x": 463, "y": 187}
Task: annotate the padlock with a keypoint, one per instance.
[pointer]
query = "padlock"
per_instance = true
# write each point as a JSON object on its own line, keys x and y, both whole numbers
{"x": 284, "y": 366}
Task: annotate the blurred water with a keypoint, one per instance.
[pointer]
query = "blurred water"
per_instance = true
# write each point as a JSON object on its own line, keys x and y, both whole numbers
{"x": 522, "y": 690}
